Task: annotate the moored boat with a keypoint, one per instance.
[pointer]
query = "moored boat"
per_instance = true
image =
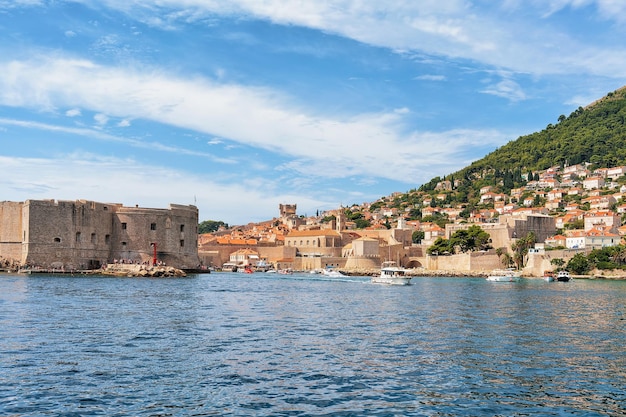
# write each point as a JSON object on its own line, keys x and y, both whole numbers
{"x": 563, "y": 276}
{"x": 392, "y": 274}
{"x": 504, "y": 275}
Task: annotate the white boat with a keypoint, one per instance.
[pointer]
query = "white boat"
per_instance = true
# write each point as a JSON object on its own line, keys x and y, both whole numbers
{"x": 392, "y": 274}
{"x": 563, "y": 276}
{"x": 332, "y": 273}
{"x": 504, "y": 275}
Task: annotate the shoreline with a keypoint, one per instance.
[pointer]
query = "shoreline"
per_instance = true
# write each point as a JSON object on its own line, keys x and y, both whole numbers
{"x": 165, "y": 271}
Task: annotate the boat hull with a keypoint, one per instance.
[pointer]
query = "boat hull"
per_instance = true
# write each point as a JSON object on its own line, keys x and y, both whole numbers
{"x": 402, "y": 280}
{"x": 503, "y": 278}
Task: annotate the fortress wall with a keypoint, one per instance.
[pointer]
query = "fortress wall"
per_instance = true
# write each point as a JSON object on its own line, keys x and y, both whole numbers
{"x": 174, "y": 231}
{"x": 11, "y": 230}
{"x": 464, "y": 262}
{"x": 74, "y": 233}
{"x": 85, "y": 234}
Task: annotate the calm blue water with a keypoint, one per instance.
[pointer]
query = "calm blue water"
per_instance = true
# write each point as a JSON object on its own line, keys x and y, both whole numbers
{"x": 255, "y": 345}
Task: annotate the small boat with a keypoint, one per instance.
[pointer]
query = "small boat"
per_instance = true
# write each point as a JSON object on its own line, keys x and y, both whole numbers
{"x": 563, "y": 276}
{"x": 329, "y": 272}
{"x": 392, "y": 274}
{"x": 504, "y": 275}
{"x": 548, "y": 276}
{"x": 286, "y": 271}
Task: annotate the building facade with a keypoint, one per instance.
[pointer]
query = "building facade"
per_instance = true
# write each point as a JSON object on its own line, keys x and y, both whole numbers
{"x": 86, "y": 234}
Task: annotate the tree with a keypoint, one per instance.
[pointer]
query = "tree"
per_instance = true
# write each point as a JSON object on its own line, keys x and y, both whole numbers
{"x": 362, "y": 223}
{"x": 520, "y": 248}
{"x": 210, "y": 226}
{"x": 579, "y": 264}
{"x": 440, "y": 247}
{"x": 417, "y": 236}
{"x": 470, "y": 239}
{"x": 558, "y": 262}
{"x": 506, "y": 260}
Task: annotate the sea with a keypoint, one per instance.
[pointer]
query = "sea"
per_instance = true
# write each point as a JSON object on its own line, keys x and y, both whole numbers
{"x": 233, "y": 344}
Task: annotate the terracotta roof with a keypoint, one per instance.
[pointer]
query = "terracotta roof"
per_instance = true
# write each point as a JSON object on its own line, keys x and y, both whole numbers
{"x": 305, "y": 233}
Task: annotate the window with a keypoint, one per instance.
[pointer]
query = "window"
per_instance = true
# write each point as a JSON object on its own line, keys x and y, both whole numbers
{"x": 77, "y": 236}
{"x": 93, "y": 238}
{"x": 123, "y": 226}
{"x": 57, "y": 240}
{"x": 152, "y": 226}
{"x": 124, "y": 245}
{"x": 107, "y": 239}
{"x": 182, "y": 228}
{"x": 182, "y": 243}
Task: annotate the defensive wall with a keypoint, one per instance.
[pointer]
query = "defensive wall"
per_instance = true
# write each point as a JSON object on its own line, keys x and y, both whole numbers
{"x": 464, "y": 262}
{"x": 87, "y": 234}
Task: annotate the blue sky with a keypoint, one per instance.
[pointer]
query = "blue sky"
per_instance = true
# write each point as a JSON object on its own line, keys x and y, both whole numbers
{"x": 240, "y": 105}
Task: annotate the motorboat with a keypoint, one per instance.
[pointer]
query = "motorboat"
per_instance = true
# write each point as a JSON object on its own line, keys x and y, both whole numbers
{"x": 504, "y": 275}
{"x": 329, "y": 272}
{"x": 548, "y": 276}
{"x": 392, "y": 274}
{"x": 563, "y": 276}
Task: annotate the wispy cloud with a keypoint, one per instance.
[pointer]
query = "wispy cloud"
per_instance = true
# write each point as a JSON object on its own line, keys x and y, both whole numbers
{"x": 335, "y": 146}
{"x": 489, "y": 33}
{"x": 431, "y": 77}
{"x": 97, "y": 134}
{"x": 63, "y": 175}
{"x": 508, "y": 89}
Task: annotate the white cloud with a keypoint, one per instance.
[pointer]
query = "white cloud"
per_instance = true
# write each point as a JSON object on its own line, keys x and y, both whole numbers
{"x": 60, "y": 177}
{"x": 431, "y": 77}
{"x": 73, "y": 113}
{"x": 98, "y": 134}
{"x": 362, "y": 144}
{"x": 101, "y": 119}
{"x": 124, "y": 123}
{"x": 491, "y": 33}
{"x": 508, "y": 89}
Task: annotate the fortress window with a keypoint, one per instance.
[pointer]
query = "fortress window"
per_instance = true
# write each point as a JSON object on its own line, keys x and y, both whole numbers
{"x": 77, "y": 236}
{"x": 93, "y": 238}
{"x": 124, "y": 245}
{"x": 182, "y": 228}
{"x": 152, "y": 226}
{"x": 123, "y": 226}
{"x": 107, "y": 239}
{"x": 105, "y": 208}
{"x": 182, "y": 243}
{"x": 57, "y": 240}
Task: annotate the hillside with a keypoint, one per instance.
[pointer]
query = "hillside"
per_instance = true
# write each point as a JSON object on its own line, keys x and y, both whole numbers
{"x": 595, "y": 134}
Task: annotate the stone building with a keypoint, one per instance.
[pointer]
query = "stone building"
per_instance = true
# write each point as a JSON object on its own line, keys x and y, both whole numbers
{"x": 85, "y": 234}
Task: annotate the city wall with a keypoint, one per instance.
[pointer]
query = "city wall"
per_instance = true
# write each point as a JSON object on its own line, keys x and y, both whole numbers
{"x": 11, "y": 230}
{"x": 464, "y": 262}
{"x": 86, "y": 234}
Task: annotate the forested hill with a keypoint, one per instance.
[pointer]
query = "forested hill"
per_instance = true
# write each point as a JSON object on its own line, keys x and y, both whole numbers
{"x": 595, "y": 134}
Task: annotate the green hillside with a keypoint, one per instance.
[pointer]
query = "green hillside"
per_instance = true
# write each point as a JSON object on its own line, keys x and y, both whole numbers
{"x": 595, "y": 134}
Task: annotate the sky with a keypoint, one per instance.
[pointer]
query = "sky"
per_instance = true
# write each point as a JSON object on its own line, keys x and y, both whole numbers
{"x": 238, "y": 106}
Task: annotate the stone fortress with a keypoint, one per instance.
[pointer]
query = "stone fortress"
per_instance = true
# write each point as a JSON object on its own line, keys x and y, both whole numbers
{"x": 87, "y": 234}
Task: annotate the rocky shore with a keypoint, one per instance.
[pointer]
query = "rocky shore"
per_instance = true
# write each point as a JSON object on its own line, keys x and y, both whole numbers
{"x": 131, "y": 270}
